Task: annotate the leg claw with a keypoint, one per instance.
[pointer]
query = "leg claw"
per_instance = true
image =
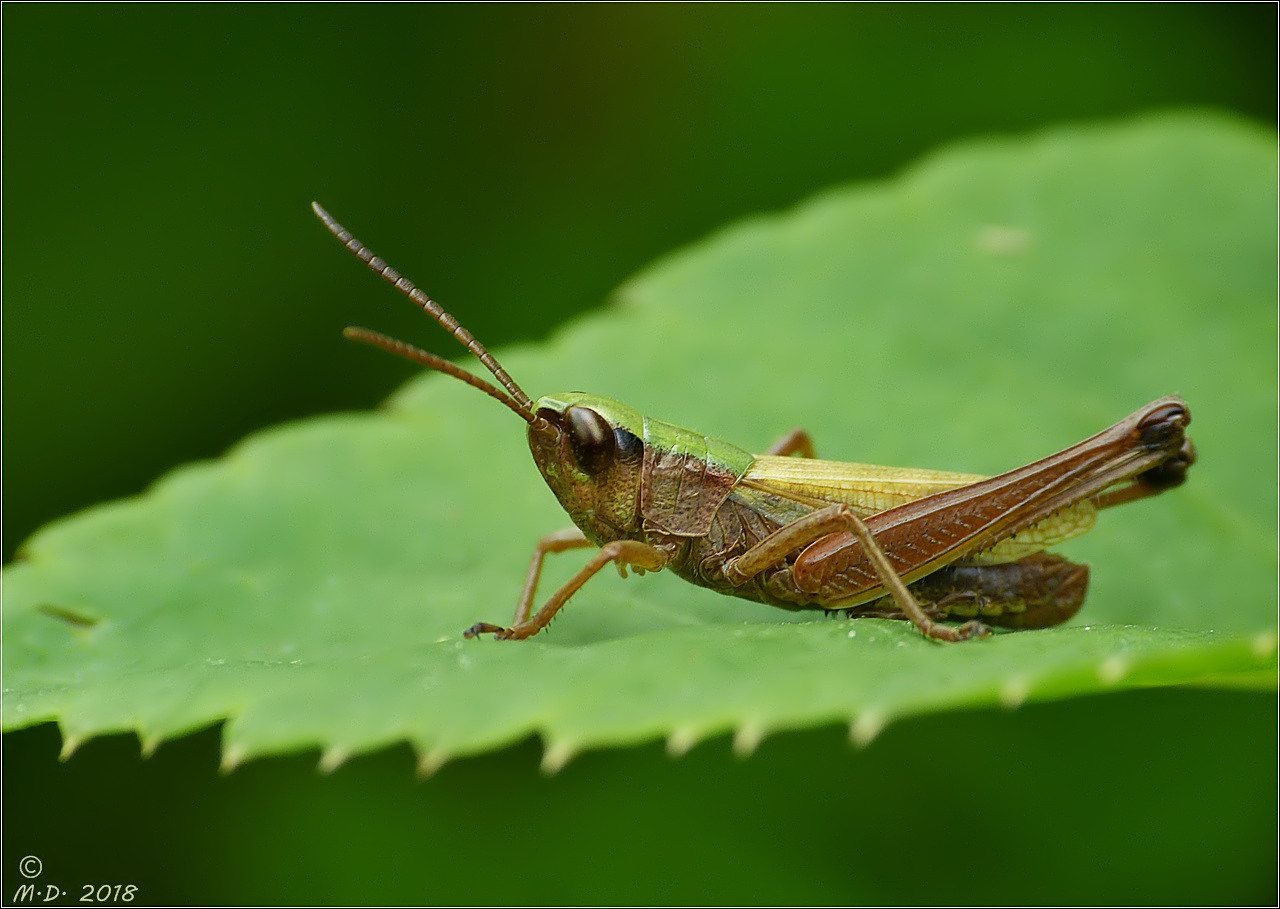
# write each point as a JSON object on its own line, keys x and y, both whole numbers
{"x": 970, "y": 630}
{"x": 499, "y": 633}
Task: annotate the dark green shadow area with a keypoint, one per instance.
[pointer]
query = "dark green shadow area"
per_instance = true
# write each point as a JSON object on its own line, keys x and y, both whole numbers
{"x": 1138, "y": 798}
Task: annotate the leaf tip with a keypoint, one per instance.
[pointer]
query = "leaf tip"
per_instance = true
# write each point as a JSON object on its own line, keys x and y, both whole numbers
{"x": 1014, "y": 691}
{"x": 866, "y": 726}
{"x": 748, "y": 738}
{"x": 556, "y": 755}
{"x": 1113, "y": 669}
{"x": 681, "y": 742}
{"x": 333, "y": 758}
{"x": 232, "y": 758}
{"x": 70, "y": 744}
{"x": 147, "y": 744}
{"x": 430, "y": 761}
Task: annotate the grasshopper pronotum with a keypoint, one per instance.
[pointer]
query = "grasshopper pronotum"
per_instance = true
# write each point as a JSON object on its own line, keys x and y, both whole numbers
{"x": 803, "y": 533}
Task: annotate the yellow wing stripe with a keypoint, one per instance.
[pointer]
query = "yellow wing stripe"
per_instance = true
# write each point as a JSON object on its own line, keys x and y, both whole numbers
{"x": 872, "y": 488}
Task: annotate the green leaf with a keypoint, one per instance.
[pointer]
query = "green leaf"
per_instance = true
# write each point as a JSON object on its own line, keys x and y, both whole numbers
{"x": 1001, "y": 300}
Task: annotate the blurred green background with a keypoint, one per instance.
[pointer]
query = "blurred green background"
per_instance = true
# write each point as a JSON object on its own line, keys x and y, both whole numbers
{"x": 166, "y": 291}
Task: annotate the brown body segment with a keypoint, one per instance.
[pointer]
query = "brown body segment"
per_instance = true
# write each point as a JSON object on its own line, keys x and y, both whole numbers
{"x": 927, "y": 534}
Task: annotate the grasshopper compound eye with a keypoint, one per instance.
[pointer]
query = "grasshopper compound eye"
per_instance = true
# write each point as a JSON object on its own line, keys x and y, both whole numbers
{"x": 591, "y": 438}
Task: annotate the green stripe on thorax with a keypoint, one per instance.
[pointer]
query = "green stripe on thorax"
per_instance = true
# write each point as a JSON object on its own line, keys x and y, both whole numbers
{"x": 719, "y": 454}
{"x": 687, "y": 477}
{"x": 723, "y": 456}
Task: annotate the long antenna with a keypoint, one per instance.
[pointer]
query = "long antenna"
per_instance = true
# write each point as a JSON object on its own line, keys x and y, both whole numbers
{"x": 430, "y": 307}
{"x": 417, "y": 355}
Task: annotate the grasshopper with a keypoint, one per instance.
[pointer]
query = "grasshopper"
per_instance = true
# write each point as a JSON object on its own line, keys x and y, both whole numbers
{"x": 803, "y": 533}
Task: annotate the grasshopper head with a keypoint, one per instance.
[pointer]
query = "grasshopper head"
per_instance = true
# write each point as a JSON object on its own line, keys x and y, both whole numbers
{"x": 588, "y": 448}
{"x": 590, "y": 452}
